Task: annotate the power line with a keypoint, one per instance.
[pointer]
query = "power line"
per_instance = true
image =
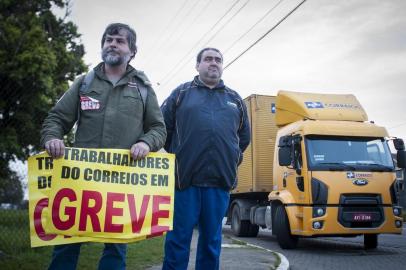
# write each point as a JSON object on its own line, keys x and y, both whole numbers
{"x": 264, "y": 35}
{"x": 215, "y": 34}
{"x": 201, "y": 12}
{"x": 253, "y": 26}
{"x": 197, "y": 43}
{"x": 396, "y": 126}
{"x": 161, "y": 38}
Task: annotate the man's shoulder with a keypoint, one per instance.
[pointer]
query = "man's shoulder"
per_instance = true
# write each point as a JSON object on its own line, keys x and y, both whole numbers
{"x": 141, "y": 76}
{"x": 232, "y": 92}
{"x": 183, "y": 87}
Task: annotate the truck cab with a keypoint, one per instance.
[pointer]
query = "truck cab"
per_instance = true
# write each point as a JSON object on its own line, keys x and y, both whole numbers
{"x": 333, "y": 173}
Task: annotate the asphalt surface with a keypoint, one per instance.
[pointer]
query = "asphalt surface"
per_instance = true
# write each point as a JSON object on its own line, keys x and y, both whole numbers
{"x": 236, "y": 254}
{"x": 337, "y": 253}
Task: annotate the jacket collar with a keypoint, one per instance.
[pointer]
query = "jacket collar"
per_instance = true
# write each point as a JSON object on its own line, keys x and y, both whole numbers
{"x": 198, "y": 82}
{"x": 130, "y": 72}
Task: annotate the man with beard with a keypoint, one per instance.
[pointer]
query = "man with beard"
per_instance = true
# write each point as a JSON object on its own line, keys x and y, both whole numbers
{"x": 208, "y": 130}
{"x": 113, "y": 112}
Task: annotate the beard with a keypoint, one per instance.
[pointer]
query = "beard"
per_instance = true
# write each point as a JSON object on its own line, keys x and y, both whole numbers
{"x": 113, "y": 58}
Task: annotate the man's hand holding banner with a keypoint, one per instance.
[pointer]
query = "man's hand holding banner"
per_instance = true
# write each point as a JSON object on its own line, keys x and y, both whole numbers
{"x": 100, "y": 195}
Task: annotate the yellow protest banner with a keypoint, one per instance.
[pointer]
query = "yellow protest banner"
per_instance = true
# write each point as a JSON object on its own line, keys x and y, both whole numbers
{"x": 104, "y": 193}
{"x": 40, "y": 173}
{"x": 39, "y": 182}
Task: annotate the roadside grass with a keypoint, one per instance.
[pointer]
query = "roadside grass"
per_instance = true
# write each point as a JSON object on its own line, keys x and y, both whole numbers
{"x": 17, "y": 254}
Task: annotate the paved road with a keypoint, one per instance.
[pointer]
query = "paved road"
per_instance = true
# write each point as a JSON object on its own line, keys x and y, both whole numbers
{"x": 338, "y": 253}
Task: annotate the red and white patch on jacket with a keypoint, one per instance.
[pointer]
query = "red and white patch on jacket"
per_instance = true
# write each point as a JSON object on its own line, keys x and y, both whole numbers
{"x": 88, "y": 103}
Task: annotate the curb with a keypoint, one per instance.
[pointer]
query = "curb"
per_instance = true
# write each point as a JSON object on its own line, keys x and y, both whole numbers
{"x": 284, "y": 263}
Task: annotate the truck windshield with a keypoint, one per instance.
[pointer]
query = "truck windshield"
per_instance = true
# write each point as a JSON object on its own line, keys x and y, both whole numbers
{"x": 348, "y": 153}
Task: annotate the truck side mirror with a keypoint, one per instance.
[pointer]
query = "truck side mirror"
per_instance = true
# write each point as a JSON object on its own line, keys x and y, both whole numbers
{"x": 401, "y": 159}
{"x": 284, "y": 156}
{"x": 399, "y": 144}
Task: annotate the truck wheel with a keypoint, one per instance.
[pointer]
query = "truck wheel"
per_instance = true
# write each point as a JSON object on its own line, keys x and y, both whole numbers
{"x": 370, "y": 241}
{"x": 282, "y": 229}
{"x": 241, "y": 227}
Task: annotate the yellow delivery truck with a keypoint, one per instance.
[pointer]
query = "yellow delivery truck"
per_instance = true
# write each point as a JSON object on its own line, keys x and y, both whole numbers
{"x": 316, "y": 167}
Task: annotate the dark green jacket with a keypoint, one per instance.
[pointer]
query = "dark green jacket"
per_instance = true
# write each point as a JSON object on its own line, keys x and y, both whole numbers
{"x": 116, "y": 118}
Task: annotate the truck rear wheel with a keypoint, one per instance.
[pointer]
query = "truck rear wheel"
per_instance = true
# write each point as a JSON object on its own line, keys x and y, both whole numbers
{"x": 282, "y": 229}
{"x": 370, "y": 241}
{"x": 240, "y": 227}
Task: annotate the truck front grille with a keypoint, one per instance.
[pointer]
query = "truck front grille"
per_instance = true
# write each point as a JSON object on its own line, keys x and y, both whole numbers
{"x": 360, "y": 210}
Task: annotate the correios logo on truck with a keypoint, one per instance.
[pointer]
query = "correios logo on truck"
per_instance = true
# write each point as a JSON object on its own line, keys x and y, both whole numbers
{"x": 352, "y": 175}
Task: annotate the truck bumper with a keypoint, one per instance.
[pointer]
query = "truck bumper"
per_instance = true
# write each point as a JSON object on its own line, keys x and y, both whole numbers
{"x": 335, "y": 221}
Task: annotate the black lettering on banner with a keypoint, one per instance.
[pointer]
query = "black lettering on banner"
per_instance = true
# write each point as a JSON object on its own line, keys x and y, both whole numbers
{"x": 122, "y": 177}
{"x": 84, "y": 155}
{"x": 87, "y": 172}
{"x": 92, "y": 156}
{"x": 140, "y": 163}
{"x": 159, "y": 180}
{"x": 157, "y": 163}
{"x": 165, "y": 163}
{"x": 45, "y": 163}
{"x": 108, "y": 160}
{"x": 49, "y": 163}
{"x": 134, "y": 179}
{"x": 124, "y": 161}
{"x": 97, "y": 175}
{"x": 150, "y": 162}
{"x": 143, "y": 179}
{"x": 114, "y": 177}
{"x": 73, "y": 173}
{"x": 116, "y": 158}
{"x": 106, "y": 176}
{"x": 66, "y": 156}
{"x": 75, "y": 154}
{"x": 102, "y": 157}
{"x": 65, "y": 172}
{"x": 44, "y": 182}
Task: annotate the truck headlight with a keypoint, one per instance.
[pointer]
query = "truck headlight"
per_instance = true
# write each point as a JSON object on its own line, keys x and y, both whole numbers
{"x": 397, "y": 211}
{"x": 317, "y": 225}
{"x": 318, "y": 211}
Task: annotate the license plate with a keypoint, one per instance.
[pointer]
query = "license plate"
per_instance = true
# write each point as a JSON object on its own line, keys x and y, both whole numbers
{"x": 362, "y": 217}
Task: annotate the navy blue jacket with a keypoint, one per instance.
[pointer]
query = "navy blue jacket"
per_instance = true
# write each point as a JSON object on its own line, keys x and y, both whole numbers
{"x": 208, "y": 130}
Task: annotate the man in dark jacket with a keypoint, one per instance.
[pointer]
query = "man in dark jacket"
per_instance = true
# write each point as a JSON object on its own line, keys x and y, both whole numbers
{"x": 119, "y": 109}
{"x": 208, "y": 130}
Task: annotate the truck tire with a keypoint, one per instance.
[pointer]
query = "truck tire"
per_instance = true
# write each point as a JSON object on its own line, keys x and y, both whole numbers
{"x": 282, "y": 229}
{"x": 242, "y": 228}
{"x": 370, "y": 241}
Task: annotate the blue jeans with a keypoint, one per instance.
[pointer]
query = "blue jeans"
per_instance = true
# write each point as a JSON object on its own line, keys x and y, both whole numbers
{"x": 202, "y": 206}
{"x": 65, "y": 257}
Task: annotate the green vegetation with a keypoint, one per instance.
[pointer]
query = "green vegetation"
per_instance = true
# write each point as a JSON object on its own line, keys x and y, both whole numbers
{"x": 16, "y": 253}
{"x": 39, "y": 54}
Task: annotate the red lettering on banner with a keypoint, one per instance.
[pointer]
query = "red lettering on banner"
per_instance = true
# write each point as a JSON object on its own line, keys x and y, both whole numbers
{"x": 41, "y": 204}
{"x": 137, "y": 222}
{"x": 69, "y": 211}
{"x": 112, "y": 211}
{"x": 157, "y": 214}
{"x": 92, "y": 212}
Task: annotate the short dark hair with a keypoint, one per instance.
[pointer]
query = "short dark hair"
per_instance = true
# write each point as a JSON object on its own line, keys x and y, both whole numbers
{"x": 115, "y": 28}
{"x": 199, "y": 55}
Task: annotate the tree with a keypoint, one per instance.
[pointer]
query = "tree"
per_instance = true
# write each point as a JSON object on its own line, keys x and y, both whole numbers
{"x": 39, "y": 54}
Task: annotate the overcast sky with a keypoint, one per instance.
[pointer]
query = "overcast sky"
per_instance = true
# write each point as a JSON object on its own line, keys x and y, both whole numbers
{"x": 346, "y": 46}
